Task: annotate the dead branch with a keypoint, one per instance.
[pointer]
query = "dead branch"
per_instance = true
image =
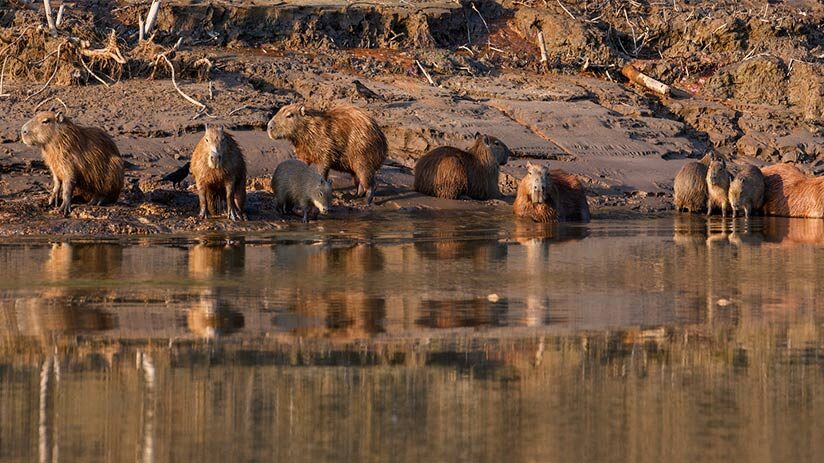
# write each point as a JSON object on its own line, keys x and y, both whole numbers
{"x": 425, "y": 74}
{"x": 49, "y": 18}
{"x": 49, "y": 99}
{"x": 565, "y": 10}
{"x": 200, "y": 105}
{"x": 232, "y": 112}
{"x": 542, "y": 45}
{"x": 488, "y": 34}
{"x": 151, "y": 17}
{"x": 638, "y": 77}
{"x": 60, "y": 11}
{"x": 2, "y": 74}
{"x": 140, "y": 33}
{"x": 48, "y": 82}
{"x": 88, "y": 69}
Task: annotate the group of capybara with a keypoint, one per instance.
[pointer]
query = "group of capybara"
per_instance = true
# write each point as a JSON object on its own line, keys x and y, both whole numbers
{"x": 709, "y": 185}
{"x": 86, "y": 164}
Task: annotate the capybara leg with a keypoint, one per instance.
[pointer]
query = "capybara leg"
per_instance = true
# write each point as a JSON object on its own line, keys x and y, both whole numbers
{"x": 54, "y": 199}
{"x": 709, "y": 207}
{"x": 201, "y": 194}
{"x": 68, "y": 191}
{"x": 305, "y": 214}
{"x": 747, "y": 211}
{"x": 733, "y": 212}
{"x": 368, "y": 185}
{"x": 724, "y": 210}
{"x": 232, "y": 211}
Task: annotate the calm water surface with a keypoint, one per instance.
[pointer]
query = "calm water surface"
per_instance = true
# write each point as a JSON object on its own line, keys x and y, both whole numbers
{"x": 459, "y": 338}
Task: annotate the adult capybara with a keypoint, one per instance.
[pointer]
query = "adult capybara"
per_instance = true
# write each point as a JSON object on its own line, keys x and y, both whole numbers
{"x": 747, "y": 190}
{"x": 219, "y": 170}
{"x": 788, "y": 192}
{"x": 295, "y": 183}
{"x": 447, "y": 172}
{"x": 690, "y": 187}
{"x": 84, "y": 161}
{"x": 551, "y": 195}
{"x": 718, "y": 186}
{"x": 344, "y": 138}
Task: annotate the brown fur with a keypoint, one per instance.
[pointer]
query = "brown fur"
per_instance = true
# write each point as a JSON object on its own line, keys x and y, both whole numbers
{"x": 718, "y": 186}
{"x": 224, "y": 181}
{"x": 564, "y": 198}
{"x": 295, "y": 183}
{"x": 788, "y": 192}
{"x": 447, "y": 172}
{"x": 84, "y": 161}
{"x": 747, "y": 191}
{"x": 345, "y": 139}
{"x": 690, "y": 186}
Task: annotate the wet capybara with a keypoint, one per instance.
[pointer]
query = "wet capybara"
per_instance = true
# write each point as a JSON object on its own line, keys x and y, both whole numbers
{"x": 788, "y": 192}
{"x": 447, "y": 172}
{"x": 564, "y": 197}
{"x": 690, "y": 186}
{"x": 747, "y": 190}
{"x": 295, "y": 183}
{"x": 84, "y": 161}
{"x": 220, "y": 174}
{"x": 718, "y": 186}
{"x": 344, "y": 138}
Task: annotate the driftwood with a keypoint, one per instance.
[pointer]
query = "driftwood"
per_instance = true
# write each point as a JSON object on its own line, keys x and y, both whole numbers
{"x": 425, "y": 74}
{"x": 542, "y": 45}
{"x": 151, "y": 17}
{"x": 638, "y": 77}
{"x": 49, "y": 18}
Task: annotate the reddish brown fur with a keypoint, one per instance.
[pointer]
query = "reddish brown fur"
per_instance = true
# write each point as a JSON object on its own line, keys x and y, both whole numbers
{"x": 690, "y": 186}
{"x": 447, "y": 172}
{"x": 225, "y": 180}
{"x": 345, "y": 139}
{"x": 537, "y": 196}
{"x": 790, "y": 193}
{"x": 84, "y": 161}
{"x": 565, "y": 199}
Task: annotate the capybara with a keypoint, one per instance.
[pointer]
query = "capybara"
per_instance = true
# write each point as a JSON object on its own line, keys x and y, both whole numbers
{"x": 447, "y": 172}
{"x": 295, "y": 183}
{"x": 718, "y": 186}
{"x": 84, "y": 161}
{"x": 220, "y": 174}
{"x": 788, "y": 192}
{"x": 343, "y": 138}
{"x": 690, "y": 186}
{"x": 551, "y": 195}
{"x": 747, "y": 190}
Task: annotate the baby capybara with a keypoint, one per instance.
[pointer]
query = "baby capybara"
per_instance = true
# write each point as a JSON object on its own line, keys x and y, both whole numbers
{"x": 747, "y": 190}
{"x": 550, "y": 196}
{"x": 220, "y": 174}
{"x": 788, "y": 192}
{"x": 690, "y": 187}
{"x": 295, "y": 183}
{"x": 84, "y": 161}
{"x": 344, "y": 138}
{"x": 718, "y": 186}
{"x": 447, "y": 172}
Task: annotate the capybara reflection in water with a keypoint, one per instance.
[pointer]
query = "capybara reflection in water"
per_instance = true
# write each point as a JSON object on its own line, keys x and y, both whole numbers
{"x": 447, "y": 172}
{"x": 690, "y": 187}
{"x": 550, "y": 196}
{"x": 747, "y": 190}
{"x": 345, "y": 139}
{"x": 84, "y": 161}
{"x": 295, "y": 183}
{"x": 220, "y": 174}
{"x": 788, "y": 192}
{"x": 718, "y": 186}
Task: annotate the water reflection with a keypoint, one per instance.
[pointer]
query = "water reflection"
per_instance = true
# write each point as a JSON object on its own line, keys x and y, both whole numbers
{"x": 211, "y": 315}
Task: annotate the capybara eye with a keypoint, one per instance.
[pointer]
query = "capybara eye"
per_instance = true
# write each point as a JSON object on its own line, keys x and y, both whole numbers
{"x": 497, "y": 142}
{"x": 289, "y": 116}
{"x": 46, "y": 121}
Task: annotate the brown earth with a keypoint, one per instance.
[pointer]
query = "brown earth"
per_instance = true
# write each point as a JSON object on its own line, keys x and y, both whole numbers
{"x": 749, "y": 79}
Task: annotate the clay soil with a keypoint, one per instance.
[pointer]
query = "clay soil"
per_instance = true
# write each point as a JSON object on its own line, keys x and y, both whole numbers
{"x": 748, "y": 82}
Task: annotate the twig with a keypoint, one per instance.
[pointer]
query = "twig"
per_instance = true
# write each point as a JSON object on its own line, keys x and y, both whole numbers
{"x": 488, "y": 34}
{"x": 56, "y": 67}
{"x": 88, "y": 69}
{"x": 3, "y": 74}
{"x": 426, "y": 74}
{"x": 151, "y": 17}
{"x": 140, "y": 33}
{"x": 542, "y": 45}
{"x": 638, "y": 77}
{"x": 49, "y": 99}
{"x": 232, "y": 112}
{"x": 467, "y": 49}
{"x": 564, "y": 8}
{"x": 60, "y": 10}
{"x": 174, "y": 82}
{"x": 211, "y": 95}
{"x": 49, "y": 19}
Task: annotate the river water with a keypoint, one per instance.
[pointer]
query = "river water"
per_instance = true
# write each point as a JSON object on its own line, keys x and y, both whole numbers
{"x": 464, "y": 337}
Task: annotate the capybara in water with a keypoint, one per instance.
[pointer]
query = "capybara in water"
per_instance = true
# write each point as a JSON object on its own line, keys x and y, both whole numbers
{"x": 84, "y": 161}
{"x": 295, "y": 183}
{"x": 220, "y": 174}
{"x": 747, "y": 190}
{"x": 344, "y": 138}
{"x": 789, "y": 192}
{"x": 447, "y": 172}
{"x": 718, "y": 186}
{"x": 551, "y": 195}
{"x": 690, "y": 187}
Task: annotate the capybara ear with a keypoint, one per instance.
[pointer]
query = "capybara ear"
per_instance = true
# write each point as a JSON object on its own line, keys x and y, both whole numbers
{"x": 303, "y": 110}
{"x": 477, "y": 135}
{"x": 528, "y": 164}
{"x": 59, "y": 117}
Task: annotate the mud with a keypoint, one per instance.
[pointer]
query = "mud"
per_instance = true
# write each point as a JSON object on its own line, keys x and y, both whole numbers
{"x": 748, "y": 79}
